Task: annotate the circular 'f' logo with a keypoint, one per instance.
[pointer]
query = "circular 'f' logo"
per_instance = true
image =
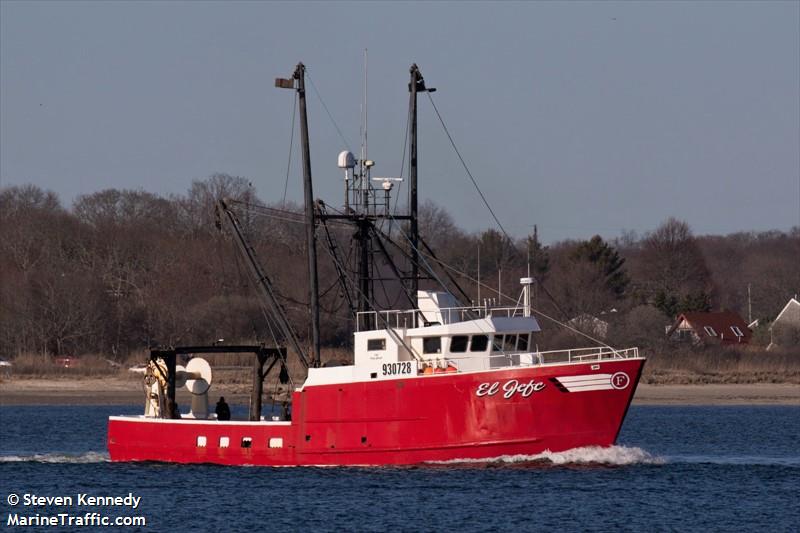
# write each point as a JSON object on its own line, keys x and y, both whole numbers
{"x": 620, "y": 380}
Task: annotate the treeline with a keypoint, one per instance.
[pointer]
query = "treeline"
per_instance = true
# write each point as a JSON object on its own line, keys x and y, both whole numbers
{"x": 120, "y": 271}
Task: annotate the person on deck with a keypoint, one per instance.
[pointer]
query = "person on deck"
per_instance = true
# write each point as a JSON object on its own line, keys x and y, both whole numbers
{"x": 222, "y": 410}
{"x": 173, "y": 410}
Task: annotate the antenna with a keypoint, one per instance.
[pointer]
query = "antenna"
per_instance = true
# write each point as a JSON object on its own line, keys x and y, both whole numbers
{"x": 529, "y": 257}
{"x": 363, "y": 163}
{"x": 499, "y": 285}
{"x": 366, "y": 107}
{"x": 479, "y": 272}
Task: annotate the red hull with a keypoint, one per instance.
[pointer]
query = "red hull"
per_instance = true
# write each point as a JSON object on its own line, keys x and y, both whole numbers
{"x": 406, "y": 421}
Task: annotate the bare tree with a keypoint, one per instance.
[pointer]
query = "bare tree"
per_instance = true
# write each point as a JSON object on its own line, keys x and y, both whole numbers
{"x": 124, "y": 270}
{"x": 199, "y": 204}
{"x": 672, "y": 271}
{"x": 587, "y": 277}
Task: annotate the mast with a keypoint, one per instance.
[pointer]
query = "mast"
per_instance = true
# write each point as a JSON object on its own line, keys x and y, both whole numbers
{"x": 364, "y": 236}
{"x": 311, "y": 244}
{"x": 416, "y": 85}
{"x": 412, "y": 175}
{"x": 364, "y": 264}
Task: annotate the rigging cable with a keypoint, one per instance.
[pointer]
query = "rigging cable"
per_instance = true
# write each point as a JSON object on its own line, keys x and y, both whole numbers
{"x": 402, "y": 170}
{"x": 267, "y": 318}
{"x": 266, "y": 211}
{"x": 427, "y": 266}
{"x": 538, "y": 312}
{"x": 226, "y": 288}
{"x": 330, "y": 116}
{"x": 466, "y": 168}
{"x": 238, "y": 261}
{"x": 291, "y": 145}
{"x": 485, "y": 201}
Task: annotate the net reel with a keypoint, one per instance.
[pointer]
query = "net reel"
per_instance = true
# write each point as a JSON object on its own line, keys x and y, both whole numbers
{"x": 196, "y": 376}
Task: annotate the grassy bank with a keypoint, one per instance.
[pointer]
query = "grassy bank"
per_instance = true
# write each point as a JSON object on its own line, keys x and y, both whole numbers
{"x": 721, "y": 366}
{"x": 31, "y": 366}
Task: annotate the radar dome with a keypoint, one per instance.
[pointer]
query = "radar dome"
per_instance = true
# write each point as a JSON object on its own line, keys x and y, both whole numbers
{"x": 347, "y": 160}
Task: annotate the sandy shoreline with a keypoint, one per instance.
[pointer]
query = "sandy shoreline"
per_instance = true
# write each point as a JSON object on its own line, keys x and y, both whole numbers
{"x": 129, "y": 392}
{"x": 718, "y": 394}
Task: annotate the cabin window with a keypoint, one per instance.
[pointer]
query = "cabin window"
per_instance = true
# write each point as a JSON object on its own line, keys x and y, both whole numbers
{"x": 479, "y": 343}
{"x": 201, "y": 441}
{"x": 510, "y": 343}
{"x": 276, "y": 442}
{"x": 247, "y": 442}
{"x": 736, "y": 331}
{"x": 710, "y": 331}
{"x": 522, "y": 343}
{"x": 376, "y": 344}
{"x": 497, "y": 343}
{"x": 458, "y": 344}
{"x": 431, "y": 345}
{"x": 224, "y": 442}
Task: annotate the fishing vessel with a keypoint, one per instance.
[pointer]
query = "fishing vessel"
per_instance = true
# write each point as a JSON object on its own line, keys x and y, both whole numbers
{"x": 442, "y": 378}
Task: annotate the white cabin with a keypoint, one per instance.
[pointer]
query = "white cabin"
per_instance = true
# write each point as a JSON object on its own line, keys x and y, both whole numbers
{"x": 436, "y": 338}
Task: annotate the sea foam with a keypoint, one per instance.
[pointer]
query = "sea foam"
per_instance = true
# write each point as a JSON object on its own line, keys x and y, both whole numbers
{"x": 82, "y": 458}
{"x": 589, "y": 455}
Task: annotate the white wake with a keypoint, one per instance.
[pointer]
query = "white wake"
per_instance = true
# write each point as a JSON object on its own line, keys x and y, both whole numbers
{"x": 589, "y": 455}
{"x": 81, "y": 458}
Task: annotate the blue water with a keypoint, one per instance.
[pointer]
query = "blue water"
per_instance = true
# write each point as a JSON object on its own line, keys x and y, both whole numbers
{"x": 675, "y": 468}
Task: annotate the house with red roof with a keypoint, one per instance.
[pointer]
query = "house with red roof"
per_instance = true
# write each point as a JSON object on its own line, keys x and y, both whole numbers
{"x": 722, "y": 327}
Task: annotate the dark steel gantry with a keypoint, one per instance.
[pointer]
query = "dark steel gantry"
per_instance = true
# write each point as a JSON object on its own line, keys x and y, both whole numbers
{"x": 262, "y": 355}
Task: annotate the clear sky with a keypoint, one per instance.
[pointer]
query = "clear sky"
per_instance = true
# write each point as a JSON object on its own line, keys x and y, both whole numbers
{"x": 582, "y": 118}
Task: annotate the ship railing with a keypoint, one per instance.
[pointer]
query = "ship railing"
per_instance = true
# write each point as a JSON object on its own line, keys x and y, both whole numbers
{"x": 527, "y": 359}
{"x": 414, "y": 318}
{"x": 372, "y": 320}
{"x": 582, "y": 355}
